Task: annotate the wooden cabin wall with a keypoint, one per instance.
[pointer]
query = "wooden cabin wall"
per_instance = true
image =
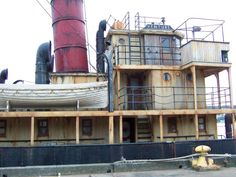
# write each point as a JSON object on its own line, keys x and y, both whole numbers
{"x": 17, "y": 132}
{"x": 60, "y": 131}
{"x": 203, "y": 51}
{"x": 185, "y": 128}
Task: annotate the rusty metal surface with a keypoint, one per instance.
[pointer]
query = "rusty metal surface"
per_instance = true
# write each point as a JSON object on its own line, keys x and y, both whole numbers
{"x": 69, "y": 36}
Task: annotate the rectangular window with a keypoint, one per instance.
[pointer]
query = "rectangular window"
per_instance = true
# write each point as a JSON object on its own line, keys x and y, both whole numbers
{"x": 43, "y": 127}
{"x": 165, "y": 44}
{"x": 87, "y": 127}
{"x": 202, "y": 124}
{"x": 172, "y": 124}
{"x": 224, "y": 55}
{"x": 3, "y": 128}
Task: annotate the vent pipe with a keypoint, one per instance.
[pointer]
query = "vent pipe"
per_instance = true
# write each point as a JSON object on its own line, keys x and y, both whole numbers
{"x": 3, "y": 76}
{"x": 100, "y": 46}
{"x": 44, "y": 64}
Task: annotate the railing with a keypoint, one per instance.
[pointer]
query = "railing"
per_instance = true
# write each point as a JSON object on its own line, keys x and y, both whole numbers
{"x": 142, "y": 21}
{"x": 148, "y": 55}
{"x": 164, "y": 98}
{"x": 187, "y": 137}
{"x": 202, "y": 29}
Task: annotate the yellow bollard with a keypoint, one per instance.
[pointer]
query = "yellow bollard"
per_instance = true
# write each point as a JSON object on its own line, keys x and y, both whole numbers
{"x": 203, "y": 162}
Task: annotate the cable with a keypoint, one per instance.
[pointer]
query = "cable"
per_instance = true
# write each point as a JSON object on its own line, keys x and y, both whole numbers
{"x": 156, "y": 160}
{"x": 123, "y": 160}
{"x": 86, "y": 26}
{"x": 43, "y": 8}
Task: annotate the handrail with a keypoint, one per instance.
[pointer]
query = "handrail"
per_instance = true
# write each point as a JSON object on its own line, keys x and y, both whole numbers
{"x": 145, "y": 97}
{"x": 149, "y": 55}
{"x": 201, "y": 29}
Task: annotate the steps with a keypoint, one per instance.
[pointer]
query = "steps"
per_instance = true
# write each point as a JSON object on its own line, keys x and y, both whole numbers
{"x": 144, "y": 130}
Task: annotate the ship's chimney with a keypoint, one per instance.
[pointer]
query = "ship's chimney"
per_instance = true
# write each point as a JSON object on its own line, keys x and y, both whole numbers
{"x": 69, "y": 36}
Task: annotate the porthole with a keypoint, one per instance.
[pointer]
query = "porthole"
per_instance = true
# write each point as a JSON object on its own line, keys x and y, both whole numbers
{"x": 166, "y": 77}
{"x": 121, "y": 41}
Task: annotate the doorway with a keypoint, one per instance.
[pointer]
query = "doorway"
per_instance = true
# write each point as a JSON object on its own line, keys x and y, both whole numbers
{"x": 128, "y": 130}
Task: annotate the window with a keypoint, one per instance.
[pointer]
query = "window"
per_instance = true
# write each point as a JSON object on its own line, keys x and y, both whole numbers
{"x": 177, "y": 41}
{"x": 121, "y": 41}
{"x": 172, "y": 124}
{"x": 165, "y": 43}
{"x": 202, "y": 124}
{"x": 3, "y": 128}
{"x": 166, "y": 77}
{"x": 224, "y": 55}
{"x": 189, "y": 77}
{"x": 87, "y": 127}
{"x": 43, "y": 127}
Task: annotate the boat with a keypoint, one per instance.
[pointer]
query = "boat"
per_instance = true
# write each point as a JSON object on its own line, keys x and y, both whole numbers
{"x": 45, "y": 96}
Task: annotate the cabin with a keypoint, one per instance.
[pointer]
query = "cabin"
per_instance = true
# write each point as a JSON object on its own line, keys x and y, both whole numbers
{"x": 159, "y": 91}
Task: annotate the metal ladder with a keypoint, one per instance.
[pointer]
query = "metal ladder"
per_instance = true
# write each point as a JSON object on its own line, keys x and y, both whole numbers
{"x": 135, "y": 49}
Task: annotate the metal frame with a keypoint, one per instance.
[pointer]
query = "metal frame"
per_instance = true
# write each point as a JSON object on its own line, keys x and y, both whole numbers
{"x": 145, "y": 98}
{"x": 202, "y": 29}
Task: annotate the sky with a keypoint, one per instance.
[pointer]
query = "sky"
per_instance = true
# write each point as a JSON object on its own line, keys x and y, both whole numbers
{"x": 25, "y": 25}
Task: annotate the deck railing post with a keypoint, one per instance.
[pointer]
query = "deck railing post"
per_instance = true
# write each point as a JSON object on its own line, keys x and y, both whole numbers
{"x": 77, "y": 130}
{"x": 32, "y": 132}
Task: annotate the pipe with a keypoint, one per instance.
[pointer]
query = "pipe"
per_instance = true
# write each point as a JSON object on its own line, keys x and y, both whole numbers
{"x": 3, "y": 76}
{"x": 100, "y": 46}
{"x": 44, "y": 63}
{"x": 18, "y": 81}
{"x": 110, "y": 83}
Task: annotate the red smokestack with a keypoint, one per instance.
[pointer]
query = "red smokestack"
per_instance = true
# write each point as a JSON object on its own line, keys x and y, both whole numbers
{"x": 69, "y": 36}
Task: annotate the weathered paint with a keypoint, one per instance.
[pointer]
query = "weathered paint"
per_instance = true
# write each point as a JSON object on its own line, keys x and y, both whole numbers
{"x": 203, "y": 51}
{"x": 60, "y": 131}
{"x": 74, "y": 78}
{"x": 185, "y": 128}
{"x": 69, "y": 36}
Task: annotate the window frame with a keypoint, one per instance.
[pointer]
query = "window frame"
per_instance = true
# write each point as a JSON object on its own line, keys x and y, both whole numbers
{"x": 41, "y": 131}
{"x": 4, "y": 127}
{"x": 87, "y": 127}
{"x": 189, "y": 77}
{"x": 202, "y": 124}
{"x": 172, "y": 125}
{"x": 166, "y": 76}
{"x": 165, "y": 49}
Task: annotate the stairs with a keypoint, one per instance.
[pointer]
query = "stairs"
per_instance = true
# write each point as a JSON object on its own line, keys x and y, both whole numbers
{"x": 135, "y": 50}
{"x": 144, "y": 130}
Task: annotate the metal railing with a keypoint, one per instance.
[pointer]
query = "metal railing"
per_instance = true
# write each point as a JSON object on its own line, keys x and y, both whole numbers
{"x": 148, "y": 55}
{"x": 163, "y": 98}
{"x": 202, "y": 29}
{"x": 141, "y": 22}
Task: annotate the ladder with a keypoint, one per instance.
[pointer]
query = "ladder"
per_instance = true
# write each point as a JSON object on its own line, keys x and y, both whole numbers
{"x": 135, "y": 57}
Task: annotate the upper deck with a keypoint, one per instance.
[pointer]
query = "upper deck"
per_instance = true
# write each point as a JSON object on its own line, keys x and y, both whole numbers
{"x": 152, "y": 42}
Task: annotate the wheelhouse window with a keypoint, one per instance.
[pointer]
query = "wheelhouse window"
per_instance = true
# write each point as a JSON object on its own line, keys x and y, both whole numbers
{"x": 3, "y": 128}
{"x": 165, "y": 44}
{"x": 202, "y": 124}
{"x": 172, "y": 124}
{"x": 42, "y": 127}
{"x": 87, "y": 127}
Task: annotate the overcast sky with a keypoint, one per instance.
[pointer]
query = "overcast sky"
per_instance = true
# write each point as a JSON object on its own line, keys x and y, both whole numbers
{"x": 25, "y": 25}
